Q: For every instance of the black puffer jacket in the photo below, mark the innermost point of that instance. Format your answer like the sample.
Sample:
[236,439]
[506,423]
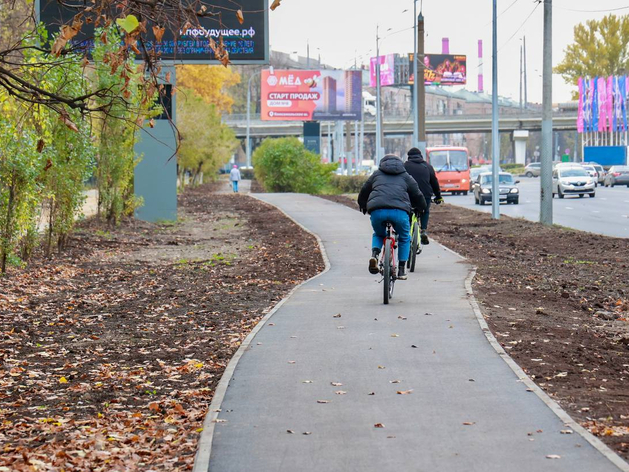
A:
[391,187]
[423,173]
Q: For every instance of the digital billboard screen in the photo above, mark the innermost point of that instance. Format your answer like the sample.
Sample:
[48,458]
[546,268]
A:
[442,69]
[247,43]
[315,95]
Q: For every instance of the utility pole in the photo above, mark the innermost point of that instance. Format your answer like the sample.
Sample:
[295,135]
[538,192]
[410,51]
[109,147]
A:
[378,101]
[421,86]
[495,133]
[308,55]
[521,84]
[415,80]
[526,98]
[248,143]
[546,202]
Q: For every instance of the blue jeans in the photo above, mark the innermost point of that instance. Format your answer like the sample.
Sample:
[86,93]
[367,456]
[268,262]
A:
[424,217]
[235,185]
[399,220]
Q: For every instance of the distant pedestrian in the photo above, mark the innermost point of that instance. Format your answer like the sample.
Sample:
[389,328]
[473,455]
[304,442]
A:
[234,176]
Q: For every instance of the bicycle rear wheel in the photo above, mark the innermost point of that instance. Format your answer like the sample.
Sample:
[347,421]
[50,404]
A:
[414,247]
[387,271]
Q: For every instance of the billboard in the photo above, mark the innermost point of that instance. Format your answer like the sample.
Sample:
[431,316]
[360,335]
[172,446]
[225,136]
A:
[299,95]
[442,69]
[387,70]
[247,43]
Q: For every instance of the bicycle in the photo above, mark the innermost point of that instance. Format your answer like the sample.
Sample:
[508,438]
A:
[416,244]
[388,265]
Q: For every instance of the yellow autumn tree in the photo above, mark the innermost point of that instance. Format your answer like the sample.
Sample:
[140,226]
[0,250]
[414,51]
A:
[211,83]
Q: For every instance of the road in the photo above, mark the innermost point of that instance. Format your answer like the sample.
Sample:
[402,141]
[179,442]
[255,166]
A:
[336,381]
[607,213]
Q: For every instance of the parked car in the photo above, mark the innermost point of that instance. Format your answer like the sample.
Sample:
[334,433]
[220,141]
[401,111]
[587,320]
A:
[509,192]
[572,180]
[592,172]
[617,175]
[534,169]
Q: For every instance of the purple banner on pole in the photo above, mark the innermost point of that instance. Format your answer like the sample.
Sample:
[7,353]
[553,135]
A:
[602,104]
[580,112]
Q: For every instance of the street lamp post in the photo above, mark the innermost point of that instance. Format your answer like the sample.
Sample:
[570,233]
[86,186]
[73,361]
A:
[248,143]
[415,81]
[249,121]
[378,104]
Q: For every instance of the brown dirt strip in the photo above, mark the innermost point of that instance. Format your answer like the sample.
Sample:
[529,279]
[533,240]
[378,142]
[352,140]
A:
[110,352]
[558,301]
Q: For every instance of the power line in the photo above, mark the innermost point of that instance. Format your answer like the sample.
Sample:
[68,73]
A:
[521,26]
[591,11]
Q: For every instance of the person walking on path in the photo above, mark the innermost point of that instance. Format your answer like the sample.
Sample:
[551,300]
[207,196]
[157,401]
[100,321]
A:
[234,176]
[389,195]
[424,175]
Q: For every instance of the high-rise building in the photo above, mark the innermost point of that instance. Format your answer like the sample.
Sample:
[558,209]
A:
[353,91]
[329,95]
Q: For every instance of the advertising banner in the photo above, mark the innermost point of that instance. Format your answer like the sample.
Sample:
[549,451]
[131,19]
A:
[246,43]
[387,70]
[316,95]
[442,69]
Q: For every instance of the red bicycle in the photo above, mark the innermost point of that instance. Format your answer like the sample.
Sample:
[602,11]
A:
[388,264]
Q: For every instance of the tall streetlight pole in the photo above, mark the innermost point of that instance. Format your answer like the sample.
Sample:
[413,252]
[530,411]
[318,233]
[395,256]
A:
[421,86]
[546,201]
[495,134]
[415,80]
[378,100]
[248,144]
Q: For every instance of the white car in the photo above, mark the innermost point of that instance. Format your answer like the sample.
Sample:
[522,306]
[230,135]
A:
[572,180]
[592,172]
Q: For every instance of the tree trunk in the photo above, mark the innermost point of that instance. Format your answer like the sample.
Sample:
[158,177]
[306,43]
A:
[7,229]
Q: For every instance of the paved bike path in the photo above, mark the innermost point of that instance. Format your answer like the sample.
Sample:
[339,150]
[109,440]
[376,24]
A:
[427,341]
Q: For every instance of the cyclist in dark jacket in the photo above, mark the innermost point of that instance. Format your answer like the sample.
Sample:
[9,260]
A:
[390,194]
[424,175]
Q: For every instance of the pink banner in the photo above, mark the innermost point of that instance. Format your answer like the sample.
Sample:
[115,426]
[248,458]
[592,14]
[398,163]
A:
[602,107]
[387,70]
[580,114]
[610,102]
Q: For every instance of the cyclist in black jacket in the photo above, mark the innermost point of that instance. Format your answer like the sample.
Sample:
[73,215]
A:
[390,194]
[424,175]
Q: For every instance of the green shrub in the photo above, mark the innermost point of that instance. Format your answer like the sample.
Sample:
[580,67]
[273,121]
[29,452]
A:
[285,165]
[515,169]
[348,183]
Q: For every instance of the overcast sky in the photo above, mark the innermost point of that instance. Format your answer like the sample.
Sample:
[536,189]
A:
[341,30]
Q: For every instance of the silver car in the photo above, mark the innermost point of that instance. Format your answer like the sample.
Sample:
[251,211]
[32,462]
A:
[572,180]
[617,175]
[534,169]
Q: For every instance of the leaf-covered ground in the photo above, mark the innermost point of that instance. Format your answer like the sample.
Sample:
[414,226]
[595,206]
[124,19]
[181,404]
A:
[558,302]
[110,353]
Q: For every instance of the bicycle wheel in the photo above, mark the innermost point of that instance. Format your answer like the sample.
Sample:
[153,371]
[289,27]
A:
[414,247]
[387,271]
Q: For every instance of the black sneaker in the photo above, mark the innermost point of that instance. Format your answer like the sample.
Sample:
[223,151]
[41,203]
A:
[401,273]
[424,238]
[373,265]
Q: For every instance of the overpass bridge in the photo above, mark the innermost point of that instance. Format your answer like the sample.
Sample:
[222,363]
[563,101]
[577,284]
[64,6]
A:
[438,124]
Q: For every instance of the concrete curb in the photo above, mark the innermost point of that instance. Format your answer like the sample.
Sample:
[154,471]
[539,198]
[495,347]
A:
[599,445]
[204,449]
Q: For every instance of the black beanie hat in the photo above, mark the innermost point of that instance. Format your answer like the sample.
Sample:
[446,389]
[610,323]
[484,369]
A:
[415,152]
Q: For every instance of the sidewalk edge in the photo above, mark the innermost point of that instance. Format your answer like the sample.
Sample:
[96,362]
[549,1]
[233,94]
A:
[204,447]
[599,445]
